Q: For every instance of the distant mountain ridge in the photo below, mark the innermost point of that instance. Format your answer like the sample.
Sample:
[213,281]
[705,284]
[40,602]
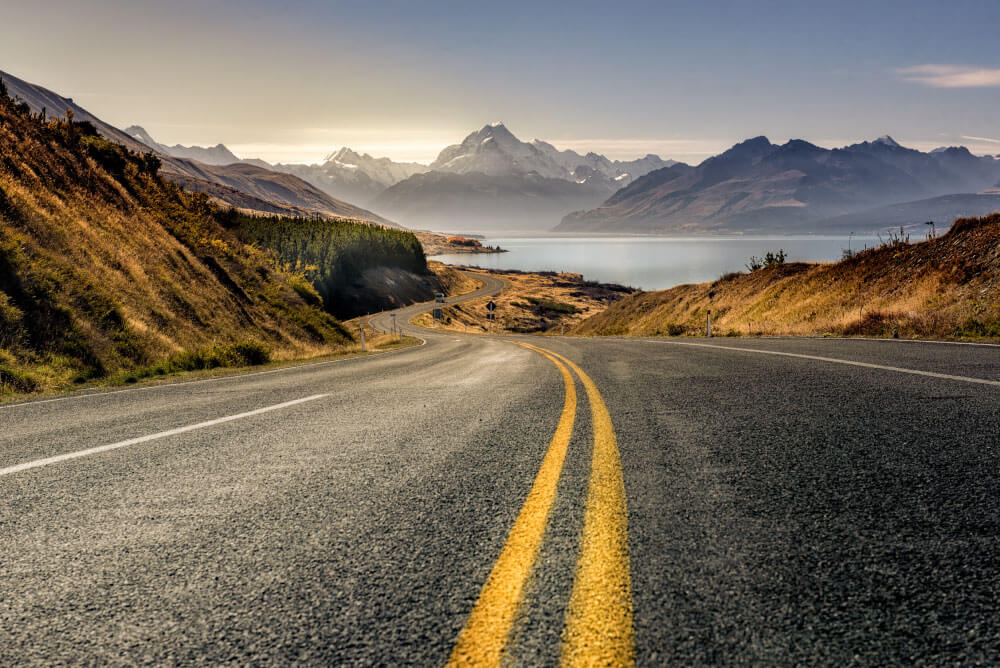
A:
[210,155]
[757,186]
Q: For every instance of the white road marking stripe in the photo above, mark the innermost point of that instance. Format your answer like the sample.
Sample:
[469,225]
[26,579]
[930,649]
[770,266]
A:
[151,437]
[867,365]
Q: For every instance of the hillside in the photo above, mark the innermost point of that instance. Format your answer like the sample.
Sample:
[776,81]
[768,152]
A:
[246,184]
[948,287]
[105,267]
[797,187]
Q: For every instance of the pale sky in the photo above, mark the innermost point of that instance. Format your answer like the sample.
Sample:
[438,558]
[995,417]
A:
[297,79]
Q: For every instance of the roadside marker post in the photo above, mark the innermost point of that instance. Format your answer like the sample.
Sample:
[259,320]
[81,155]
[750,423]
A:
[362,328]
[708,327]
[491,308]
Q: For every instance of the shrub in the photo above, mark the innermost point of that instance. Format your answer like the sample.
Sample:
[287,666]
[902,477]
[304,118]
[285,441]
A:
[14,381]
[771,259]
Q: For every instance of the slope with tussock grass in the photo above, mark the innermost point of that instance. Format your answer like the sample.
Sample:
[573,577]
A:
[107,268]
[947,287]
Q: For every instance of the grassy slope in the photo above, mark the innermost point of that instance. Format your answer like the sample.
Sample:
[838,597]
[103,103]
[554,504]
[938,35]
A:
[105,268]
[947,287]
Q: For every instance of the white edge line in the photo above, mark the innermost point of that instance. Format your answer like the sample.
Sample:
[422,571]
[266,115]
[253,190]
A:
[37,463]
[867,365]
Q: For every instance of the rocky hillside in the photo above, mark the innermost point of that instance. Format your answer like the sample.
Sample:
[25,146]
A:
[947,287]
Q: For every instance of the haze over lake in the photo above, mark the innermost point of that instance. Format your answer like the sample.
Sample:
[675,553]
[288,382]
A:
[650,263]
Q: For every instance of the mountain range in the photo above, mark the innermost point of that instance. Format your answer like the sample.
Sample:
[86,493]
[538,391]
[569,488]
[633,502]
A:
[798,187]
[490,181]
[357,177]
[493,181]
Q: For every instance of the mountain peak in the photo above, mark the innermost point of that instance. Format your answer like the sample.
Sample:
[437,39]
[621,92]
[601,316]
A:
[345,156]
[139,133]
[886,140]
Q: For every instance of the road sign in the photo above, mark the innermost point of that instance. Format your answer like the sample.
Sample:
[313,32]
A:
[491,306]
[438,314]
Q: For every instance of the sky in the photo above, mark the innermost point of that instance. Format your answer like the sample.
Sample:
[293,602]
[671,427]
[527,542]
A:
[294,80]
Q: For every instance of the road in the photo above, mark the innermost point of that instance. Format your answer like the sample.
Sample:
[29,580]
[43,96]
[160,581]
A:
[765,501]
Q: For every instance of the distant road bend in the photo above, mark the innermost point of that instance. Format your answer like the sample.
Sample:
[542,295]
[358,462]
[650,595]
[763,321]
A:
[531,500]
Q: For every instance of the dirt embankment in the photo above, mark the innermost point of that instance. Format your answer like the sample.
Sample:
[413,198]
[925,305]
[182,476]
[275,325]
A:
[947,287]
[532,303]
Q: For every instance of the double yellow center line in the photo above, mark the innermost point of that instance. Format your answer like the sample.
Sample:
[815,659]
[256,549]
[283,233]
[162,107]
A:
[598,627]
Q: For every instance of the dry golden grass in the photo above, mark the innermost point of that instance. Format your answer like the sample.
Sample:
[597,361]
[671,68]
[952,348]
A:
[106,270]
[947,287]
[531,303]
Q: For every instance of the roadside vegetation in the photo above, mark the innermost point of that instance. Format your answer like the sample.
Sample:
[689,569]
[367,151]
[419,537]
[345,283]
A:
[109,272]
[329,255]
[946,287]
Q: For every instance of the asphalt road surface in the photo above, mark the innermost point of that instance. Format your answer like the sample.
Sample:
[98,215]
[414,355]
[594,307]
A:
[472,500]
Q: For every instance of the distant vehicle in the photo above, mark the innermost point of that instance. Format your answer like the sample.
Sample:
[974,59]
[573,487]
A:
[439,297]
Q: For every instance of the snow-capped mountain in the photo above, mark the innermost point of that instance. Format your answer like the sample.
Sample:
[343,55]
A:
[493,181]
[495,151]
[356,177]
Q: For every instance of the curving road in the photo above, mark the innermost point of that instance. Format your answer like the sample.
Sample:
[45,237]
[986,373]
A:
[767,501]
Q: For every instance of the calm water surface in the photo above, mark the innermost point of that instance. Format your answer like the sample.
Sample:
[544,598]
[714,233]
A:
[650,263]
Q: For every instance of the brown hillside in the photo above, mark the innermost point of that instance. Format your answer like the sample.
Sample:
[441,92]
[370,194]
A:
[105,267]
[948,287]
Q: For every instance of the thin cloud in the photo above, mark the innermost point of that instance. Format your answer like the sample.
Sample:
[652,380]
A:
[951,76]
[986,139]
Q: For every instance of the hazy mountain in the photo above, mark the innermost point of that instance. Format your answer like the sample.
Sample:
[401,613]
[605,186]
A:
[493,181]
[621,171]
[757,186]
[446,201]
[210,155]
[246,184]
[352,176]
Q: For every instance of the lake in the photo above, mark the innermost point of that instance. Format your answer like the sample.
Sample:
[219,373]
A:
[650,263]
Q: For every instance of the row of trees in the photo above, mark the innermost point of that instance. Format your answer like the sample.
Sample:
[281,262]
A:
[331,253]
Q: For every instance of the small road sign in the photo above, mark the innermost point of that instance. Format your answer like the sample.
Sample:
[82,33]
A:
[491,306]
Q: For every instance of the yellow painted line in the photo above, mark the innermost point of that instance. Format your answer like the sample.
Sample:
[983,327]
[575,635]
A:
[599,629]
[484,638]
